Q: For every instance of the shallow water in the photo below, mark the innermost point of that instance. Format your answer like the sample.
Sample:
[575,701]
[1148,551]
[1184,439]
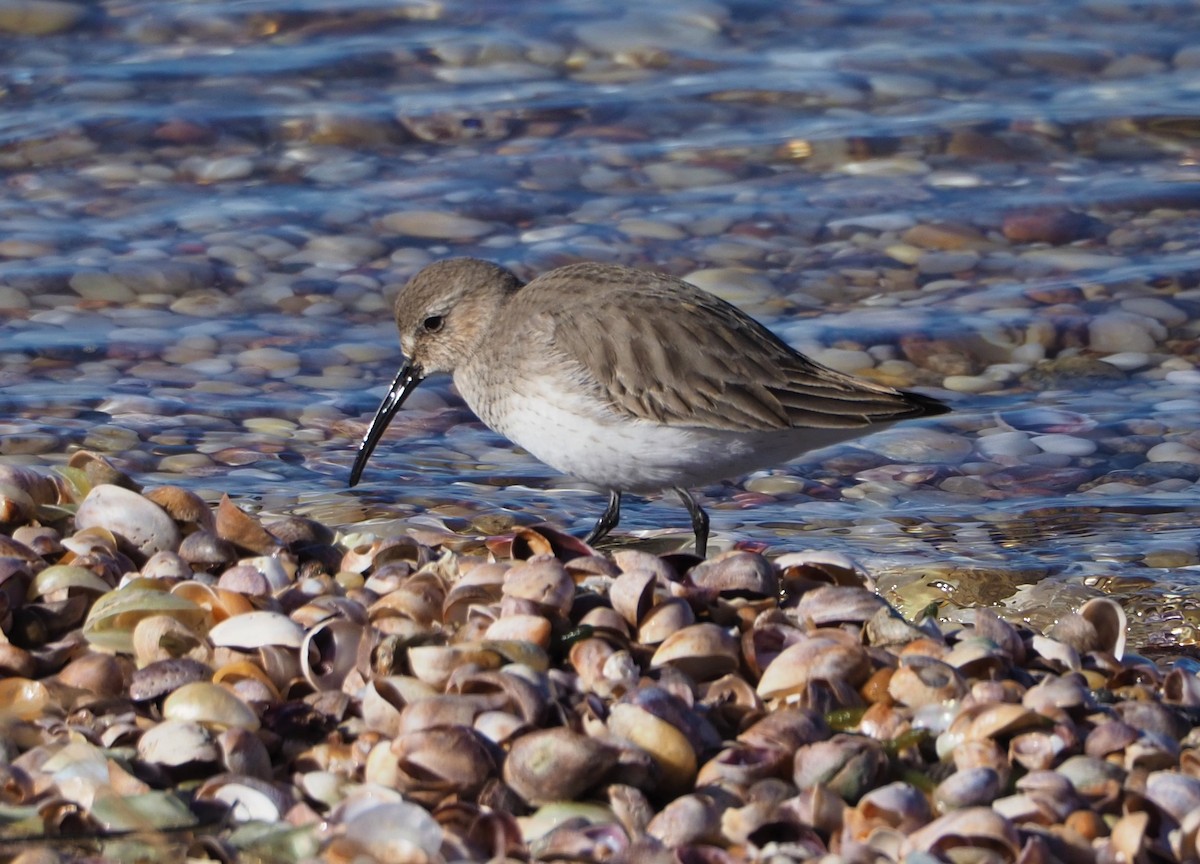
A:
[208,208]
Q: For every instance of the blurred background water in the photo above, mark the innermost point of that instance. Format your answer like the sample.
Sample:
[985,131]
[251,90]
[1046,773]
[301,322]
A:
[208,207]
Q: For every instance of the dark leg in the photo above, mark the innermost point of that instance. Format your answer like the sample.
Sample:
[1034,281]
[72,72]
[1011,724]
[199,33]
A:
[699,520]
[608,520]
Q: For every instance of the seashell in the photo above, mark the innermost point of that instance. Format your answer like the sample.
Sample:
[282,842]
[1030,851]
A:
[1181,688]
[1055,694]
[162,676]
[500,727]
[605,622]
[329,652]
[736,574]
[847,765]
[100,674]
[974,787]
[665,618]
[669,747]
[1060,656]
[165,637]
[510,689]
[247,680]
[217,603]
[183,506]
[429,764]
[787,729]
[700,651]
[141,523]
[977,722]
[816,806]
[543,581]
[419,597]
[396,831]
[743,765]
[113,617]
[255,630]
[897,807]
[824,656]
[1128,839]
[248,799]
[1036,751]
[800,571]
[971,828]
[527,628]
[925,681]
[243,530]
[836,604]
[438,710]
[210,705]
[16,662]
[175,743]
[1108,619]
[204,550]
[278,569]
[60,581]
[242,579]
[688,819]
[732,699]
[589,658]
[1092,778]
[1099,625]
[556,764]
[25,699]
[167,566]
[632,594]
[535,540]
[766,638]
[887,627]
[1173,793]
[434,664]
[990,626]
[384,699]
[243,752]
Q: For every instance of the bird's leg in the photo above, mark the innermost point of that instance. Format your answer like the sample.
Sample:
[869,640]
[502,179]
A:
[608,519]
[699,519]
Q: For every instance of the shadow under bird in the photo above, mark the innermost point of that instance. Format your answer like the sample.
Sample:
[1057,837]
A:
[630,380]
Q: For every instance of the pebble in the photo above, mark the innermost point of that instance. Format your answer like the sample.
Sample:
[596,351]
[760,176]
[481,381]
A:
[221,169]
[921,446]
[434,224]
[101,286]
[1065,445]
[1120,333]
[1156,308]
[650,229]
[39,17]
[1173,451]
[679,175]
[844,359]
[1128,361]
[1010,445]
[1074,260]
[775,484]
[943,263]
[969,383]
[145,525]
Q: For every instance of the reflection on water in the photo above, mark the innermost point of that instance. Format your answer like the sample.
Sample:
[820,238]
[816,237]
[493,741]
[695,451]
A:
[209,207]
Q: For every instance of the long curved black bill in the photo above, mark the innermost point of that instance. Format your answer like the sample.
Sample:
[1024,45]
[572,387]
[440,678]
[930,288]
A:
[406,382]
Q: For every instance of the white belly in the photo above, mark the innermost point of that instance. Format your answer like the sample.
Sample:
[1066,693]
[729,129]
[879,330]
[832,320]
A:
[577,436]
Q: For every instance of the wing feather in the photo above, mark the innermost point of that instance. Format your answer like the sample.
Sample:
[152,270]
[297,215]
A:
[662,350]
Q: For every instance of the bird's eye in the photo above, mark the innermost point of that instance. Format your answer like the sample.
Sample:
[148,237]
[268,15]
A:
[434,323]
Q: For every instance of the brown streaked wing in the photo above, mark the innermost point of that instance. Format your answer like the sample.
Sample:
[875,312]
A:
[665,351]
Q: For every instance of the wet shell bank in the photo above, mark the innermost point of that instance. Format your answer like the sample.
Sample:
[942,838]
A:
[181,680]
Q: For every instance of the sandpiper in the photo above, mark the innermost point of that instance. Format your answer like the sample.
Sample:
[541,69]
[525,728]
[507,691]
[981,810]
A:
[631,380]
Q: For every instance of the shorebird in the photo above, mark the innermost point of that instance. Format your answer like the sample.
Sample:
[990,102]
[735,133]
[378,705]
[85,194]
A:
[631,380]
